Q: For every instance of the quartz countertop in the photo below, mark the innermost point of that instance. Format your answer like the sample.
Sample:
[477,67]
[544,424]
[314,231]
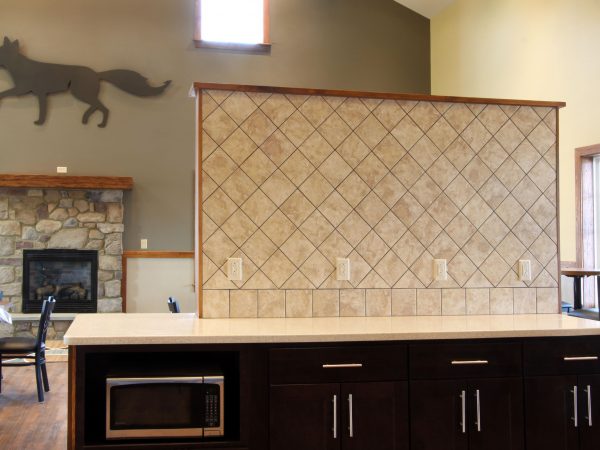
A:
[137,329]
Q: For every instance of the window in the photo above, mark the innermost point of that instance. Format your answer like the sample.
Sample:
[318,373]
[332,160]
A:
[232,23]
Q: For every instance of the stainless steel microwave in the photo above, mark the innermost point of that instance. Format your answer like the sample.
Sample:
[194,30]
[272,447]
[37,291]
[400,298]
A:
[158,407]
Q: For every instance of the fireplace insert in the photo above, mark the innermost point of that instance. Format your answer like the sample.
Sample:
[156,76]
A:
[71,276]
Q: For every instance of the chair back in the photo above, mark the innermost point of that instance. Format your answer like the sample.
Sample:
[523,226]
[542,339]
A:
[173,305]
[47,308]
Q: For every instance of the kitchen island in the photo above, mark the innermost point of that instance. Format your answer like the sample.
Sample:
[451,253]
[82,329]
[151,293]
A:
[514,381]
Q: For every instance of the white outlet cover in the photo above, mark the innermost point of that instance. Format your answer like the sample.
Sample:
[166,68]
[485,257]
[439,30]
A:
[144,244]
[235,269]
[61,169]
[343,269]
[440,270]
[524,270]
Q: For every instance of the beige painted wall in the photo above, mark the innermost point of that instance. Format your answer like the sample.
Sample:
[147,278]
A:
[536,49]
[345,44]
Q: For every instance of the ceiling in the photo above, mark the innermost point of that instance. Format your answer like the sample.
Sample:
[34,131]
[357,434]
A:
[427,8]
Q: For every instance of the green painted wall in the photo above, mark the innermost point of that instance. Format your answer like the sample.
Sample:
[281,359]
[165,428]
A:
[374,45]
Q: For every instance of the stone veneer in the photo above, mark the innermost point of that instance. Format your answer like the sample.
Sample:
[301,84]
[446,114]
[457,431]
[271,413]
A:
[291,182]
[70,219]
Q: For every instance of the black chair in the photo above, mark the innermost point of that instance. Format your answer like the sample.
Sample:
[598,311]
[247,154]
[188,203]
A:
[20,347]
[173,305]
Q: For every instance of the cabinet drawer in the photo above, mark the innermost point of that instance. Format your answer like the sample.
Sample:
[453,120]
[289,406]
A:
[337,364]
[459,360]
[562,356]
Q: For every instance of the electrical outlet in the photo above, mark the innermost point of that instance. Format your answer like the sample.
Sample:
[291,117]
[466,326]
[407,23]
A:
[343,269]
[144,244]
[524,270]
[234,269]
[62,170]
[440,270]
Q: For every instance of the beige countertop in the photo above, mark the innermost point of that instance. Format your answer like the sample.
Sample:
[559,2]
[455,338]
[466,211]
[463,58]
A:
[122,329]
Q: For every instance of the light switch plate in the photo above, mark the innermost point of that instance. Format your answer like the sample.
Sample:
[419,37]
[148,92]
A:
[234,269]
[524,270]
[61,169]
[440,270]
[144,244]
[343,269]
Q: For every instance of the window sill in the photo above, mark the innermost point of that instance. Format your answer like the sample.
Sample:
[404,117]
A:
[250,48]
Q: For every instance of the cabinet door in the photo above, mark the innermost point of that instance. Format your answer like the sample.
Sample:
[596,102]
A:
[496,414]
[302,417]
[375,416]
[589,412]
[549,413]
[436,415]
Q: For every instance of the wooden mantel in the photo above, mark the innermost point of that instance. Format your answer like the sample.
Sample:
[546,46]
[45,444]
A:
[65,182]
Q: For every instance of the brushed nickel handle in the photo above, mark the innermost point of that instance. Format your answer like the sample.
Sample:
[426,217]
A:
[343,366]
[469,362]
[334,400]
[351,413]
[588,391]
[463,416]
[580,358]
[478,419]
[575,417]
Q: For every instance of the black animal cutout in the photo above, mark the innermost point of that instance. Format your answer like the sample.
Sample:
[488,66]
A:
[42,79]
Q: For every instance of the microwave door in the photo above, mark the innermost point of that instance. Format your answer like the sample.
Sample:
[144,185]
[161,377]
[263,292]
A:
[214,406]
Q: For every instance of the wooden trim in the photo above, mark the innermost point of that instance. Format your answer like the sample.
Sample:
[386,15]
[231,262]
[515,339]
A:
[198,213]
[382,95]
[581,154]
[558,261]
[71,399]
[261,47]
[65,182]
[144,254]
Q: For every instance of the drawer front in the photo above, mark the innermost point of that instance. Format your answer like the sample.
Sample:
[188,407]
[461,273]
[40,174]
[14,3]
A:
[337,364]
[562,356]
[460,360]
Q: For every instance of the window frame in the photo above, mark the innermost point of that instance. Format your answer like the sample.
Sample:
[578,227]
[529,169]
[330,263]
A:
[264,46]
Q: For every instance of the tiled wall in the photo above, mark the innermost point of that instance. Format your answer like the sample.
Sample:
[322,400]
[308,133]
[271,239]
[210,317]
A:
[290,183]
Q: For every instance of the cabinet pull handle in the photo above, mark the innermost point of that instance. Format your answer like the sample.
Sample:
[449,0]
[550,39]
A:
[334,400]
[580,358]
[588,391]
[469,362]
[342,366]
[575,415]
[351,425]
[463,417]
[478,420]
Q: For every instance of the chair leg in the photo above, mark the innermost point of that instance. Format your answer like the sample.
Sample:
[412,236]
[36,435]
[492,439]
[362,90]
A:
[38,379]
[45,378]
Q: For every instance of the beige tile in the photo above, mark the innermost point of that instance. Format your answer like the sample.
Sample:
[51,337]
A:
[459,153]
[297,248]
[460,268]
[259,248]
[494,268]
[407,132]
[443,247]
[442,134]
[219,247]
[425,152]
[389,189]
[493,118]
[271,303]
[493,155]
[335,169]
[316,188]
[371,131]
[297,208]
[424,114]
[542,175]
[335,246]
[277,108]
[509,136]
[239,106]
[335,208]
[459,116]
[215,304]
[238,146]
[426,229]
[477,210]
[407,171]
[423,268]
[297,168]
[442,172]
[429,302]
[425,191]
[258,167]
[404,302]
[543,212]
[243,303]
[334,130]
[317,268]
[408,248]
[219,125]
[239,227]
[353,189]
[278,188]
[408,209]
[258,127]
[326,303]
[353,111]
[316,228]
[390,229]
[542,137]
[354,229]
[501,301]
[476,135]
[476,172]
[371,170]
[372,209]
[527,230]
[298,303]
[509,173]
[372,248]
[352,302]
[493,192]
[359,268]
[278,228]
[239,187]
[219,207]
[390,268]
[510,211]
[477,249]
[547,301]
[478,301]
[353,150]
[525,155]
[525,301]
[389,113]
[460,191]
[316,110]
[543,248]
[298,281]
[525,119]
[278,147]
[494,230]
[378,302]
[278,268]
[389,151]
[453,302]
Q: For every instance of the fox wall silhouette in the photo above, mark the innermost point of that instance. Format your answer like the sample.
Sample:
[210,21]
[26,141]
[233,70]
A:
[42,79]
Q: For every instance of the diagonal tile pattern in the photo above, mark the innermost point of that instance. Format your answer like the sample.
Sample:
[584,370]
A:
[295,182]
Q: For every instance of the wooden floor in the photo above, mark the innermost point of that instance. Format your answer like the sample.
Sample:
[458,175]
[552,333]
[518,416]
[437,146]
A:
[25,423]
